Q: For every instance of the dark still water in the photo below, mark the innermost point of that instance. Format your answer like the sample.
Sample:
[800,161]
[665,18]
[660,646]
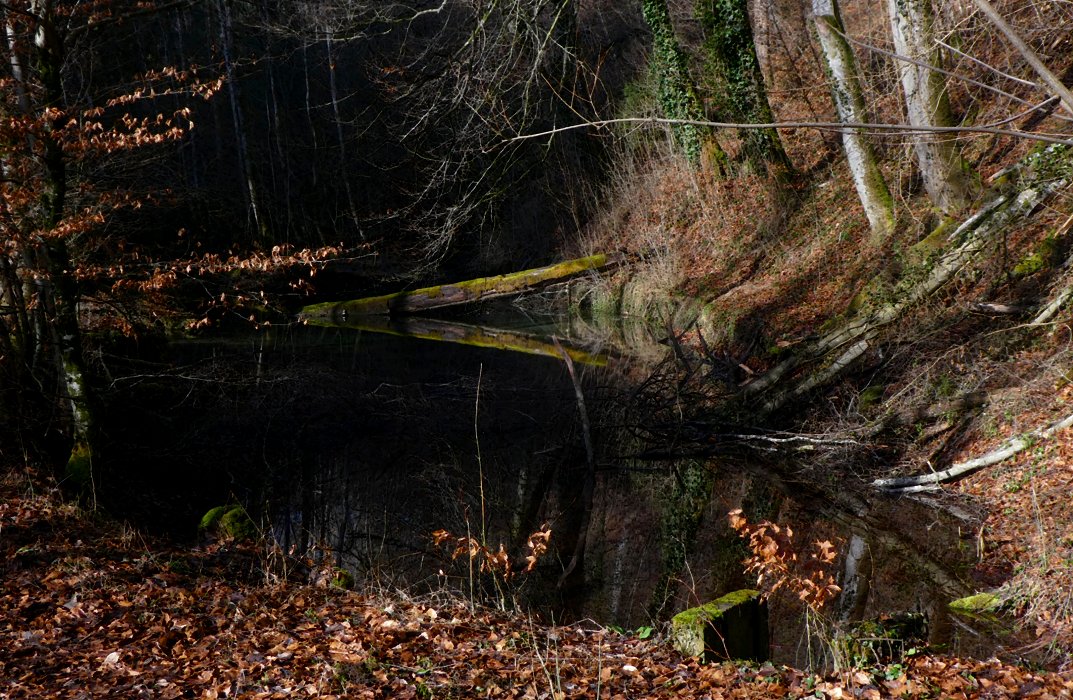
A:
[364,443]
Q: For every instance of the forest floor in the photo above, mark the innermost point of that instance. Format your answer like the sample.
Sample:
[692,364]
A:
[91,608]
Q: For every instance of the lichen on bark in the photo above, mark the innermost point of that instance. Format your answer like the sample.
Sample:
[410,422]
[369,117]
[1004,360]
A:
[849,102]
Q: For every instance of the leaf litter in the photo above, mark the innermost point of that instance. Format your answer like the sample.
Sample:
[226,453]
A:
[90,609]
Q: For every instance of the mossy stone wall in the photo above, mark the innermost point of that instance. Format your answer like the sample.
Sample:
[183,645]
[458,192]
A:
[734,626]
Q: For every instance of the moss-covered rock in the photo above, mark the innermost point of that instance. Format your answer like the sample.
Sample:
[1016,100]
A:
[230,521]
[979,606]
[341,578]
[734,626]
[78,473]
[209,520]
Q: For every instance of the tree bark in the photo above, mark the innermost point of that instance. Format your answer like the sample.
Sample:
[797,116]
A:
[928,482]
[947,178]
[1056,86]
[466,292]
[340,138]
[469,334]
[58,288]
[849,103]
[252,191]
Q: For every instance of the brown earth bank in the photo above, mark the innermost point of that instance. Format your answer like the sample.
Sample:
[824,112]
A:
[92,608]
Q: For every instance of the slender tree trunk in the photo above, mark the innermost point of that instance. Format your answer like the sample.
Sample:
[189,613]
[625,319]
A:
[677,94]
[191,166]
[732,61]
[1053,82]
[252,192]
[58,287]
[856,580]
[947,179]
[849,102]
[341,140]
[278,161]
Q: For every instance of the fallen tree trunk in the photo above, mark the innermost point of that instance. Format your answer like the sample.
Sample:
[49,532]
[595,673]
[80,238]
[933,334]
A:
[458,293]
[928,482]
[1021,190]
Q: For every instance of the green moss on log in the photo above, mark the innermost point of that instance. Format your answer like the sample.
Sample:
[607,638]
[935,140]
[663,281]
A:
[979,605]
[1046,256]
[465,292]
[468,334]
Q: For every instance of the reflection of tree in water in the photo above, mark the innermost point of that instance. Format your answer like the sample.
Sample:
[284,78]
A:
[367,446]
[720,451]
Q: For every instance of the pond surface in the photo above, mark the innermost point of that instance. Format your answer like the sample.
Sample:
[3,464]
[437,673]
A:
[364,443]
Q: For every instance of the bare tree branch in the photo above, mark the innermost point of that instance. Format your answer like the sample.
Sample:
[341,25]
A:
[823,126]
[937,69]
[1029,55]
[986,65]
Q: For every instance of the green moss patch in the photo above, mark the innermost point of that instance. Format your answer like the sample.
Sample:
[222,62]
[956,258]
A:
[734,626]
[979,605]
[230,521]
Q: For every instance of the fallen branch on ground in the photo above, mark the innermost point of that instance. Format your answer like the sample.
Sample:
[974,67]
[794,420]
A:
[924,482]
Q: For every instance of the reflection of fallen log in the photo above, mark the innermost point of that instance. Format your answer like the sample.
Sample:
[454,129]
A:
[467,292]
[466,334]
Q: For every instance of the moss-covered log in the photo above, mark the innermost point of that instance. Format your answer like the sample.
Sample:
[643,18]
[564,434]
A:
[467,292]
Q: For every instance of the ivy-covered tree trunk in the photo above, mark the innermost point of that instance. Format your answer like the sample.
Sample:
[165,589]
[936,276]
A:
[733,65]
[849,102]
[947,178]
[677,94]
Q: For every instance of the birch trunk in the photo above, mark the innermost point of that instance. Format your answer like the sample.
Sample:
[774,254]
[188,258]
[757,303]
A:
[849,102]
[947,178]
